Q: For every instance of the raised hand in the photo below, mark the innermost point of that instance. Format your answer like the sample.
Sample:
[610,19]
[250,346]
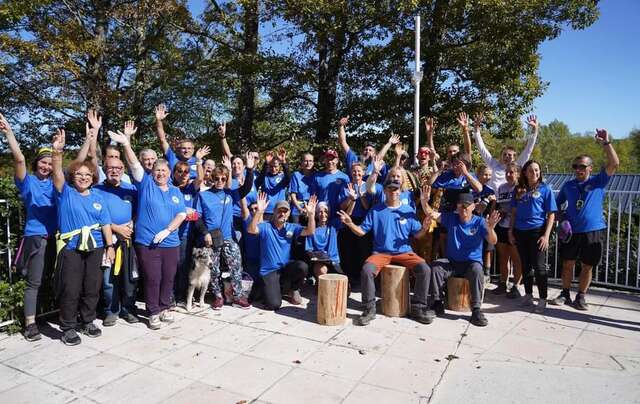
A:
[344,218]
[161,112]
[94,120]
[478,118]
[351,191]
[493,219]
[268,157]
[202,152]
[222,130]
[602,136]
[394,139]
[429,124]
[4,125]
[343,121]
[282,155]
[532,121]
[378,164]
[89,133]
[425,192]
[130,129]
[463,120]
[462,167]
[118,137]
[311,206]
[251,159]
[58,140]
[226,161]
[262,202]
[399,149]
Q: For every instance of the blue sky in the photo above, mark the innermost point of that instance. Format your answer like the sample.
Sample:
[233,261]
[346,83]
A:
[593,74]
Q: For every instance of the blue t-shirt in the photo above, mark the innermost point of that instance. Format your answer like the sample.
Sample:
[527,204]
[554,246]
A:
[327,188]
[392,228]
[533,206]
[584,202]
[119,200]
[173,160]
[407,197]
[76,211]
[464,240]
[39,202]
[156,209]
[276,189]
[453,186]
[301,186]
[235,189]
[275,245]
[189,195]
[351,158]
[325,239]
[359,211]
[216,208]
[251,244]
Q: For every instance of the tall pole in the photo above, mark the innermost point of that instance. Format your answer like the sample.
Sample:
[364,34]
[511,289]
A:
[417,78]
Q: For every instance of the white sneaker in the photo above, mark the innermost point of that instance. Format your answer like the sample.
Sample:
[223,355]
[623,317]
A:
[542,304]
[154,322]
[166,317]
[527,300]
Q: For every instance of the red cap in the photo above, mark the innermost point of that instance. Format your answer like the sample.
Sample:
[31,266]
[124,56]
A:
[330,154]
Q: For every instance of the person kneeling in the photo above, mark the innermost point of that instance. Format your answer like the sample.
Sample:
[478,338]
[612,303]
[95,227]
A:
[392,223]
[465,234]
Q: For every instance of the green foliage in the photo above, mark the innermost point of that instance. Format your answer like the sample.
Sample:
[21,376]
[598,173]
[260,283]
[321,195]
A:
[11,303]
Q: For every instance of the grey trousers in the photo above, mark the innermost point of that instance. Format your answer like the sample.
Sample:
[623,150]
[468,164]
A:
[422,272]
[442,269]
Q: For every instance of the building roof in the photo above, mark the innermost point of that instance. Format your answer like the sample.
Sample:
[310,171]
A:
[623,188]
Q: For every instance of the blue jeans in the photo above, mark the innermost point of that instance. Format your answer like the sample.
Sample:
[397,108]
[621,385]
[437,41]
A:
[115,299]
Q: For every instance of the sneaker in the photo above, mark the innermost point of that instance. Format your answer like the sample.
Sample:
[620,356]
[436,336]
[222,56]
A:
[514,292]
[167,317]
[130,318]
[31,333]
[295,298]
[561,300]
[70,337]
[110,320]
[542,304]
[478,319]
[368,315]
[218,302]
[241,303]
[527,300]
[500,290]
[438,308]
[91,330]
[421,314]
[580,303]
[154,322]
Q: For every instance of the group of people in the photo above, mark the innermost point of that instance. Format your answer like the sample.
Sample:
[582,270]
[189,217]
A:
[110,231]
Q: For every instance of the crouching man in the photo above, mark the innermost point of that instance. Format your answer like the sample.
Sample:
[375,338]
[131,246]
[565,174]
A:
[392,224]
[465,233]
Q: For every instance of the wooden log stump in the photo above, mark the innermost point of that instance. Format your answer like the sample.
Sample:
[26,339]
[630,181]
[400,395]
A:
[458,294]
[332,299]
[395,291]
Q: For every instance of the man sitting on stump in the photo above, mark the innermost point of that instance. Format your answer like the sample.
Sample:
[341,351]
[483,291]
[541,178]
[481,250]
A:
[392,224]
[465,233]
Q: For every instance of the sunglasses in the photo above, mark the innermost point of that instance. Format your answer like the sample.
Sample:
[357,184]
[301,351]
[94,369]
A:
[182,171]
[579,166]
[219,178]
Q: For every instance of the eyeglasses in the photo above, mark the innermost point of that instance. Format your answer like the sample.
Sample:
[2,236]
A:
[83,175]
[114,168]
[219,178]
[580,166]
[182,171]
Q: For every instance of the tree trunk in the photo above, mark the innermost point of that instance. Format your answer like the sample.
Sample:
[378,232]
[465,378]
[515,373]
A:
[434,33]
[246,101]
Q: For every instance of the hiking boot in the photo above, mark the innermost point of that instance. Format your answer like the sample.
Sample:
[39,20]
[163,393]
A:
[421,314]
[109,320]
[91,330]
[580,303]
[31,333]
[218,302]
[500,290]
[70,337]
[542,304]
[527,300]
[167,317]
[514,292]
[438,308]
[130,318]
[478,319]
[561,300]
[368,314]
[295,298]
[241,303]
[154,322]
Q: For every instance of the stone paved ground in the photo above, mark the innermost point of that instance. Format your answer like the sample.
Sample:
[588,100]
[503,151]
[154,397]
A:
[233,356]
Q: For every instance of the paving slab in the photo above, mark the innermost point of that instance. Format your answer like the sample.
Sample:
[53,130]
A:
[10,378]
[36,391]
[367,394]
[194,361]
[203,393]
[347,363]
[407,375]
[284,349]
[306,386]
[235,337]
[149,347]
[50,358]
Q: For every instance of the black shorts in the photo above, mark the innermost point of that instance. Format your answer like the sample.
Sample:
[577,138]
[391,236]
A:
[503,234]
[586,247]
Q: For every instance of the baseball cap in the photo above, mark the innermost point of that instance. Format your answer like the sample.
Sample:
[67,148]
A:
[282,205]
[330,154]
[465,198]
[391,184]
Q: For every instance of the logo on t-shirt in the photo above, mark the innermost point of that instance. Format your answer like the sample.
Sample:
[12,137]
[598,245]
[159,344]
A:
[536,194]
[473,231]
[404,201]
[175,199]
[278,180]
[403,221]
[97,206]
[338,181]
[289,234]
[194,167]
[127,198]
[187,197]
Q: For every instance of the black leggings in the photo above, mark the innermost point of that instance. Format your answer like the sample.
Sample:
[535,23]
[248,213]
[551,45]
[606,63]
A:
[288,278]
[532,259]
